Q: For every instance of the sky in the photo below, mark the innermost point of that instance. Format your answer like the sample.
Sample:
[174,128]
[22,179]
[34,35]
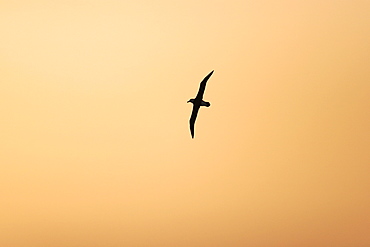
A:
[95,147]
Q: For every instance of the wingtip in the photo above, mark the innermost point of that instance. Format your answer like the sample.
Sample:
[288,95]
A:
[210,73]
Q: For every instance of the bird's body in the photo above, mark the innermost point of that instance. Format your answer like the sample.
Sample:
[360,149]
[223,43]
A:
[198,102]
[202,103]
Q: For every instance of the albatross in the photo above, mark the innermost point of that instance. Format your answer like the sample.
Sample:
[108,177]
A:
[198,102]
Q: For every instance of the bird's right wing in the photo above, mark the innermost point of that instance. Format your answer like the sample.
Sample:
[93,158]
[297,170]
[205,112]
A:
[202,86]
[193,118]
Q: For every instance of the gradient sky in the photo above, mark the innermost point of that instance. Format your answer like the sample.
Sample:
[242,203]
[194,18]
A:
[95,147]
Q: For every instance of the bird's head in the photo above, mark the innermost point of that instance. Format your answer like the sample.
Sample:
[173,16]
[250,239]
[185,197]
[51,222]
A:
[191,100]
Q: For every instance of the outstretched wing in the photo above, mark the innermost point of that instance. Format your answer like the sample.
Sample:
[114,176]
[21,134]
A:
[193,118]
[202,86]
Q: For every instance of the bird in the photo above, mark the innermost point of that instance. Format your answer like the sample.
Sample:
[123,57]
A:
[198,102]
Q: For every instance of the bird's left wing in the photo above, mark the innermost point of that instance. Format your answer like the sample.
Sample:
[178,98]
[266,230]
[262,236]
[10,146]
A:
[193,118]
[202,86]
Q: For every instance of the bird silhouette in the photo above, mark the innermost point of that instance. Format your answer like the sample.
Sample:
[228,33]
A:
[198,102]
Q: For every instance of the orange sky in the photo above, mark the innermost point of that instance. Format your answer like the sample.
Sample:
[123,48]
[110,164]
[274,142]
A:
[95,143]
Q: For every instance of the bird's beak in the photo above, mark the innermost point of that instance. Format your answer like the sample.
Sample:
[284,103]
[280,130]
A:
[188,101]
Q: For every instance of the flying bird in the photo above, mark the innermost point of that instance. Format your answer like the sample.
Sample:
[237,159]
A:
[198,102]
